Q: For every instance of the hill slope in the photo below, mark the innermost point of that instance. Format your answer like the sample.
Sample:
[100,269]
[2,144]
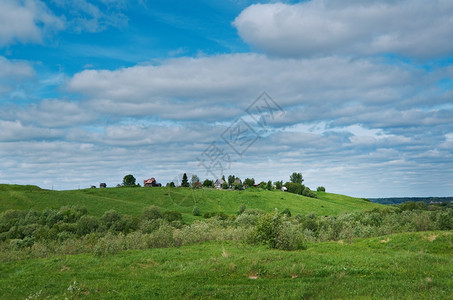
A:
[132,200]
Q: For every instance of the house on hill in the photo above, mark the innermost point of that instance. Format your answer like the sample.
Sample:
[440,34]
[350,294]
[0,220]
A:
[218,183]
[151,182]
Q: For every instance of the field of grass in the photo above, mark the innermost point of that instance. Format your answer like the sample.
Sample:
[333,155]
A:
[132,200]
[399,266]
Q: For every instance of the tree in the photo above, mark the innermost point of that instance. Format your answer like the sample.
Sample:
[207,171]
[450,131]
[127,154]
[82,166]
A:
[321,189]
[269,185]
[194,180]
[231,180]
[225,185]
[208,183]
[129,180]
[248,182]
[296,178]
[185,182]
[171,184]
[278,184]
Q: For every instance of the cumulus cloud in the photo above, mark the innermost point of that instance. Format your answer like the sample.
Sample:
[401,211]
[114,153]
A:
[220,88]
[51,113]
[26,21]
[12,73]
[420,29]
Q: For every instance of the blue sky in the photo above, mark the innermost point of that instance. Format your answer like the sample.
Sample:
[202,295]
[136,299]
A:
[359,95]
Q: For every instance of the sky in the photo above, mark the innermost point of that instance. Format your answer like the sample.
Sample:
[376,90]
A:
[355,95]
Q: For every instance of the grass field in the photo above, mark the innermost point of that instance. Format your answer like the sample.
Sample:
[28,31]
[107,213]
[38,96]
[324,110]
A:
[400,266]
[132,200]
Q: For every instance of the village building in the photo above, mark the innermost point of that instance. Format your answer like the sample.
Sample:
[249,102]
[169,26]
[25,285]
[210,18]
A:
[151,182]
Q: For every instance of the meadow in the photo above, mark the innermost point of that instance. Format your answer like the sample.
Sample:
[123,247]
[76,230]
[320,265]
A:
[146,243]
[400,266]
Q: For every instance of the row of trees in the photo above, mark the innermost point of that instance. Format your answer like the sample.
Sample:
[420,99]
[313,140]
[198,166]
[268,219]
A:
[294,185]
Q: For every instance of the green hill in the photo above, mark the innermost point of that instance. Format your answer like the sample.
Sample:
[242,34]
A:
[132,200]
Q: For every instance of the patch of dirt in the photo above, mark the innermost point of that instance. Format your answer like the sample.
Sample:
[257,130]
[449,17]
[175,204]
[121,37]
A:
[253,276]
[428,279]
[294,276]
[385,240]
[431,238]
[64,268]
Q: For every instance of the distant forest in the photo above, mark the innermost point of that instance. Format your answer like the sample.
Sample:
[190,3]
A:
[427,200]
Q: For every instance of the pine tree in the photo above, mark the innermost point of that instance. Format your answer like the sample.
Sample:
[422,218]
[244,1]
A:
[185,182]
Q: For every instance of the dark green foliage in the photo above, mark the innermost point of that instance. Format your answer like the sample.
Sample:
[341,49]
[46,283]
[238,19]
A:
[278,184]
[286,212]
[171,184]
[269,186]
[262,185]
[208,183]
[241,208]
[249,182]
[309,193]
[86,225]
[296,178]
[321,189]
[185,181]
[151,213]
[225,185]
[295,188]
[172,216]
[231,180]
[219,215]
[196,211]
[129,180]
[237,186]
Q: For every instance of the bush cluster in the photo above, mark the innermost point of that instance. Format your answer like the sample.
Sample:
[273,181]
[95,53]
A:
[71,230]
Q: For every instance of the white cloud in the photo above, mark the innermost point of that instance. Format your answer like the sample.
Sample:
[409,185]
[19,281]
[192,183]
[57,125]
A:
[26,21]
[416,28]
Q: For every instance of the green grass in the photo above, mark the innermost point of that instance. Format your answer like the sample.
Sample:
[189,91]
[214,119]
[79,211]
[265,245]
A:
[400,266]
[132,200]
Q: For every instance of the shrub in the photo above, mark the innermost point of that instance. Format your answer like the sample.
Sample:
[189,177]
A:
[86,225]
[267,229]
[172,216]
[289,237]
[151,213]
[162,238]
[219,215]
[241,209]
[321,189]
[286,212]
[196,211]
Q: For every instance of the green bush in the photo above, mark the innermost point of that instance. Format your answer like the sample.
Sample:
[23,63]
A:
[196,211]
[87,224]
[172,216]
[267,229]
[219,215]
[321,189]
[241,209]
[286,212]
[151,213]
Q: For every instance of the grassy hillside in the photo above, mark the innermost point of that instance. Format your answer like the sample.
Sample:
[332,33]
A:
[132,200]
[399,266]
